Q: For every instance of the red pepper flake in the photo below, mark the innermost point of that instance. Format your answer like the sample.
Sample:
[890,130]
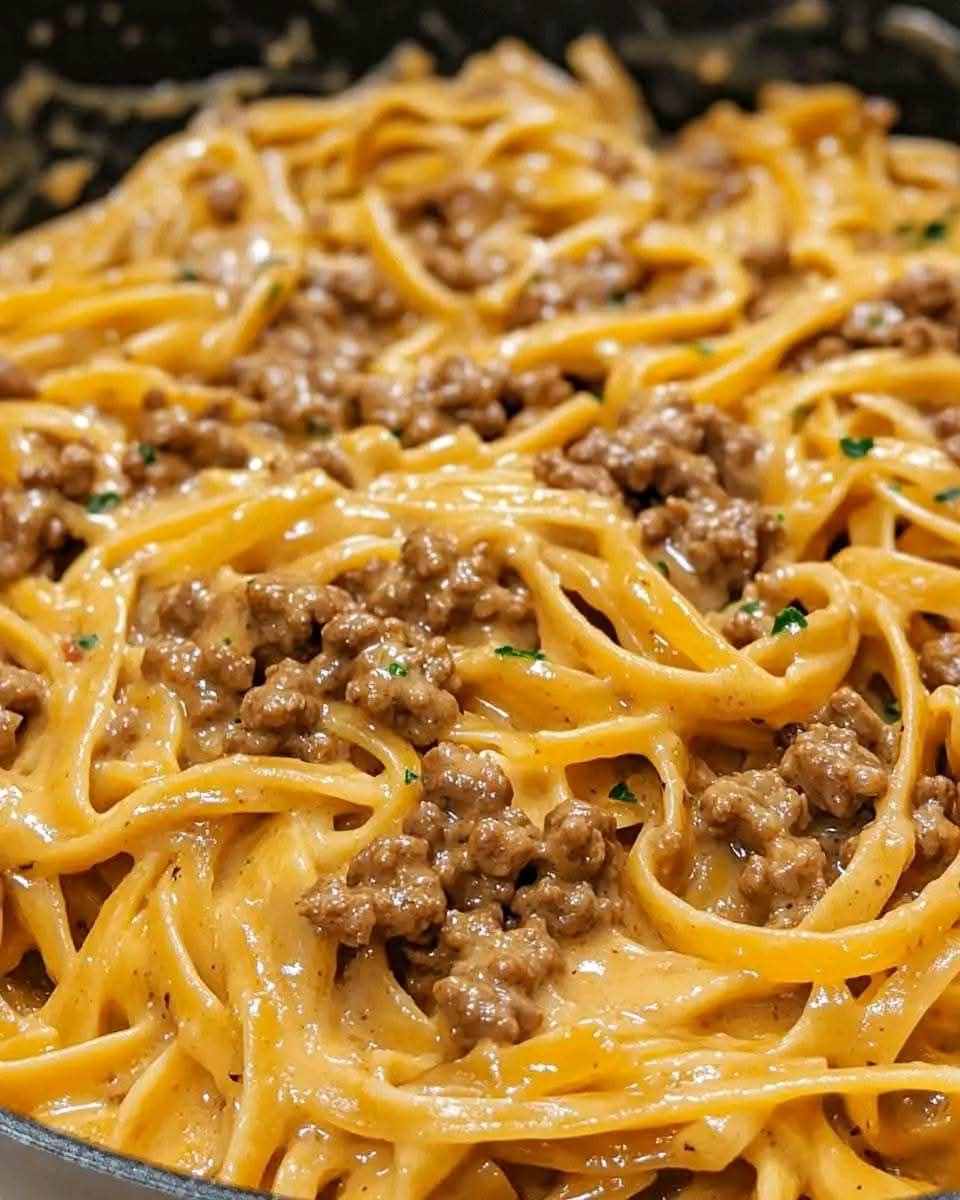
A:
[71,651]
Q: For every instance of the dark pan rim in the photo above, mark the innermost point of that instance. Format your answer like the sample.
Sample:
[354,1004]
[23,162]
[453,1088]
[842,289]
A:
[170,1184]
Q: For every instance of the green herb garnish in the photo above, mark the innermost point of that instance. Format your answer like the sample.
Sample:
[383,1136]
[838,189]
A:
[410,776]
[274,292]
[935,231]
[703,348]
[513,652]
[227,641]
[618,299]
[621,792]
[789,620]
[86,641]
[663,568]
[101,502]
[895,486]
[147,453]
[397,670]
[891,710]
[318,428]
[752,607]
[854,447]
[948,495]
[188,275]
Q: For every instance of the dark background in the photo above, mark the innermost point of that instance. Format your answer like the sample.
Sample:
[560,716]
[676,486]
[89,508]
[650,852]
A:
[908,51]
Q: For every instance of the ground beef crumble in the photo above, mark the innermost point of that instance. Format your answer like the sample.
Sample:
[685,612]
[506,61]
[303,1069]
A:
[308,370]
[939,660]
[22,694]
[607,274]
[32,532]
[173,444]
[917,314]
[472,897]
[784,818]
[457,391]
[377,639]
[692,474]
[446,223]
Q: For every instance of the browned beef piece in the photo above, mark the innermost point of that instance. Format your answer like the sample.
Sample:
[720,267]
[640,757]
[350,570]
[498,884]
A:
[848,709]
[446,222]
[793,817]
[456,391]
[692,472]
[918,313]
[607,274]
[754,807]
[209,681]
[173,444]
[935,819]
[22,694]
[939,660]
[725,541]
[307,371]
[31,530]
[182,608]
[442,587]
[69,468]
[489,991]
[788,878]
[481,969]
[834,771]
[287,614]
[391,890]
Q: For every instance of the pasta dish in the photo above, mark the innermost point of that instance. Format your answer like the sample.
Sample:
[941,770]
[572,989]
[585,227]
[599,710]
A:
[478,661]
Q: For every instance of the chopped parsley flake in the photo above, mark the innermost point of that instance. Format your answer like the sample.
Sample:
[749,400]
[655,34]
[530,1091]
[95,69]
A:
[854,447]
[86,641]
[228,641]
[935,231]
[101,502]
[318,428]
[188,275]
[663,568]
[147,453]
[702,348]
[397,670]
[397,433]
[891,710]
[513,652]
[895,486]
[621,792]
[789,620]
[274,292]
[410,776]
[752,607]
[618,299]
[948,495]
